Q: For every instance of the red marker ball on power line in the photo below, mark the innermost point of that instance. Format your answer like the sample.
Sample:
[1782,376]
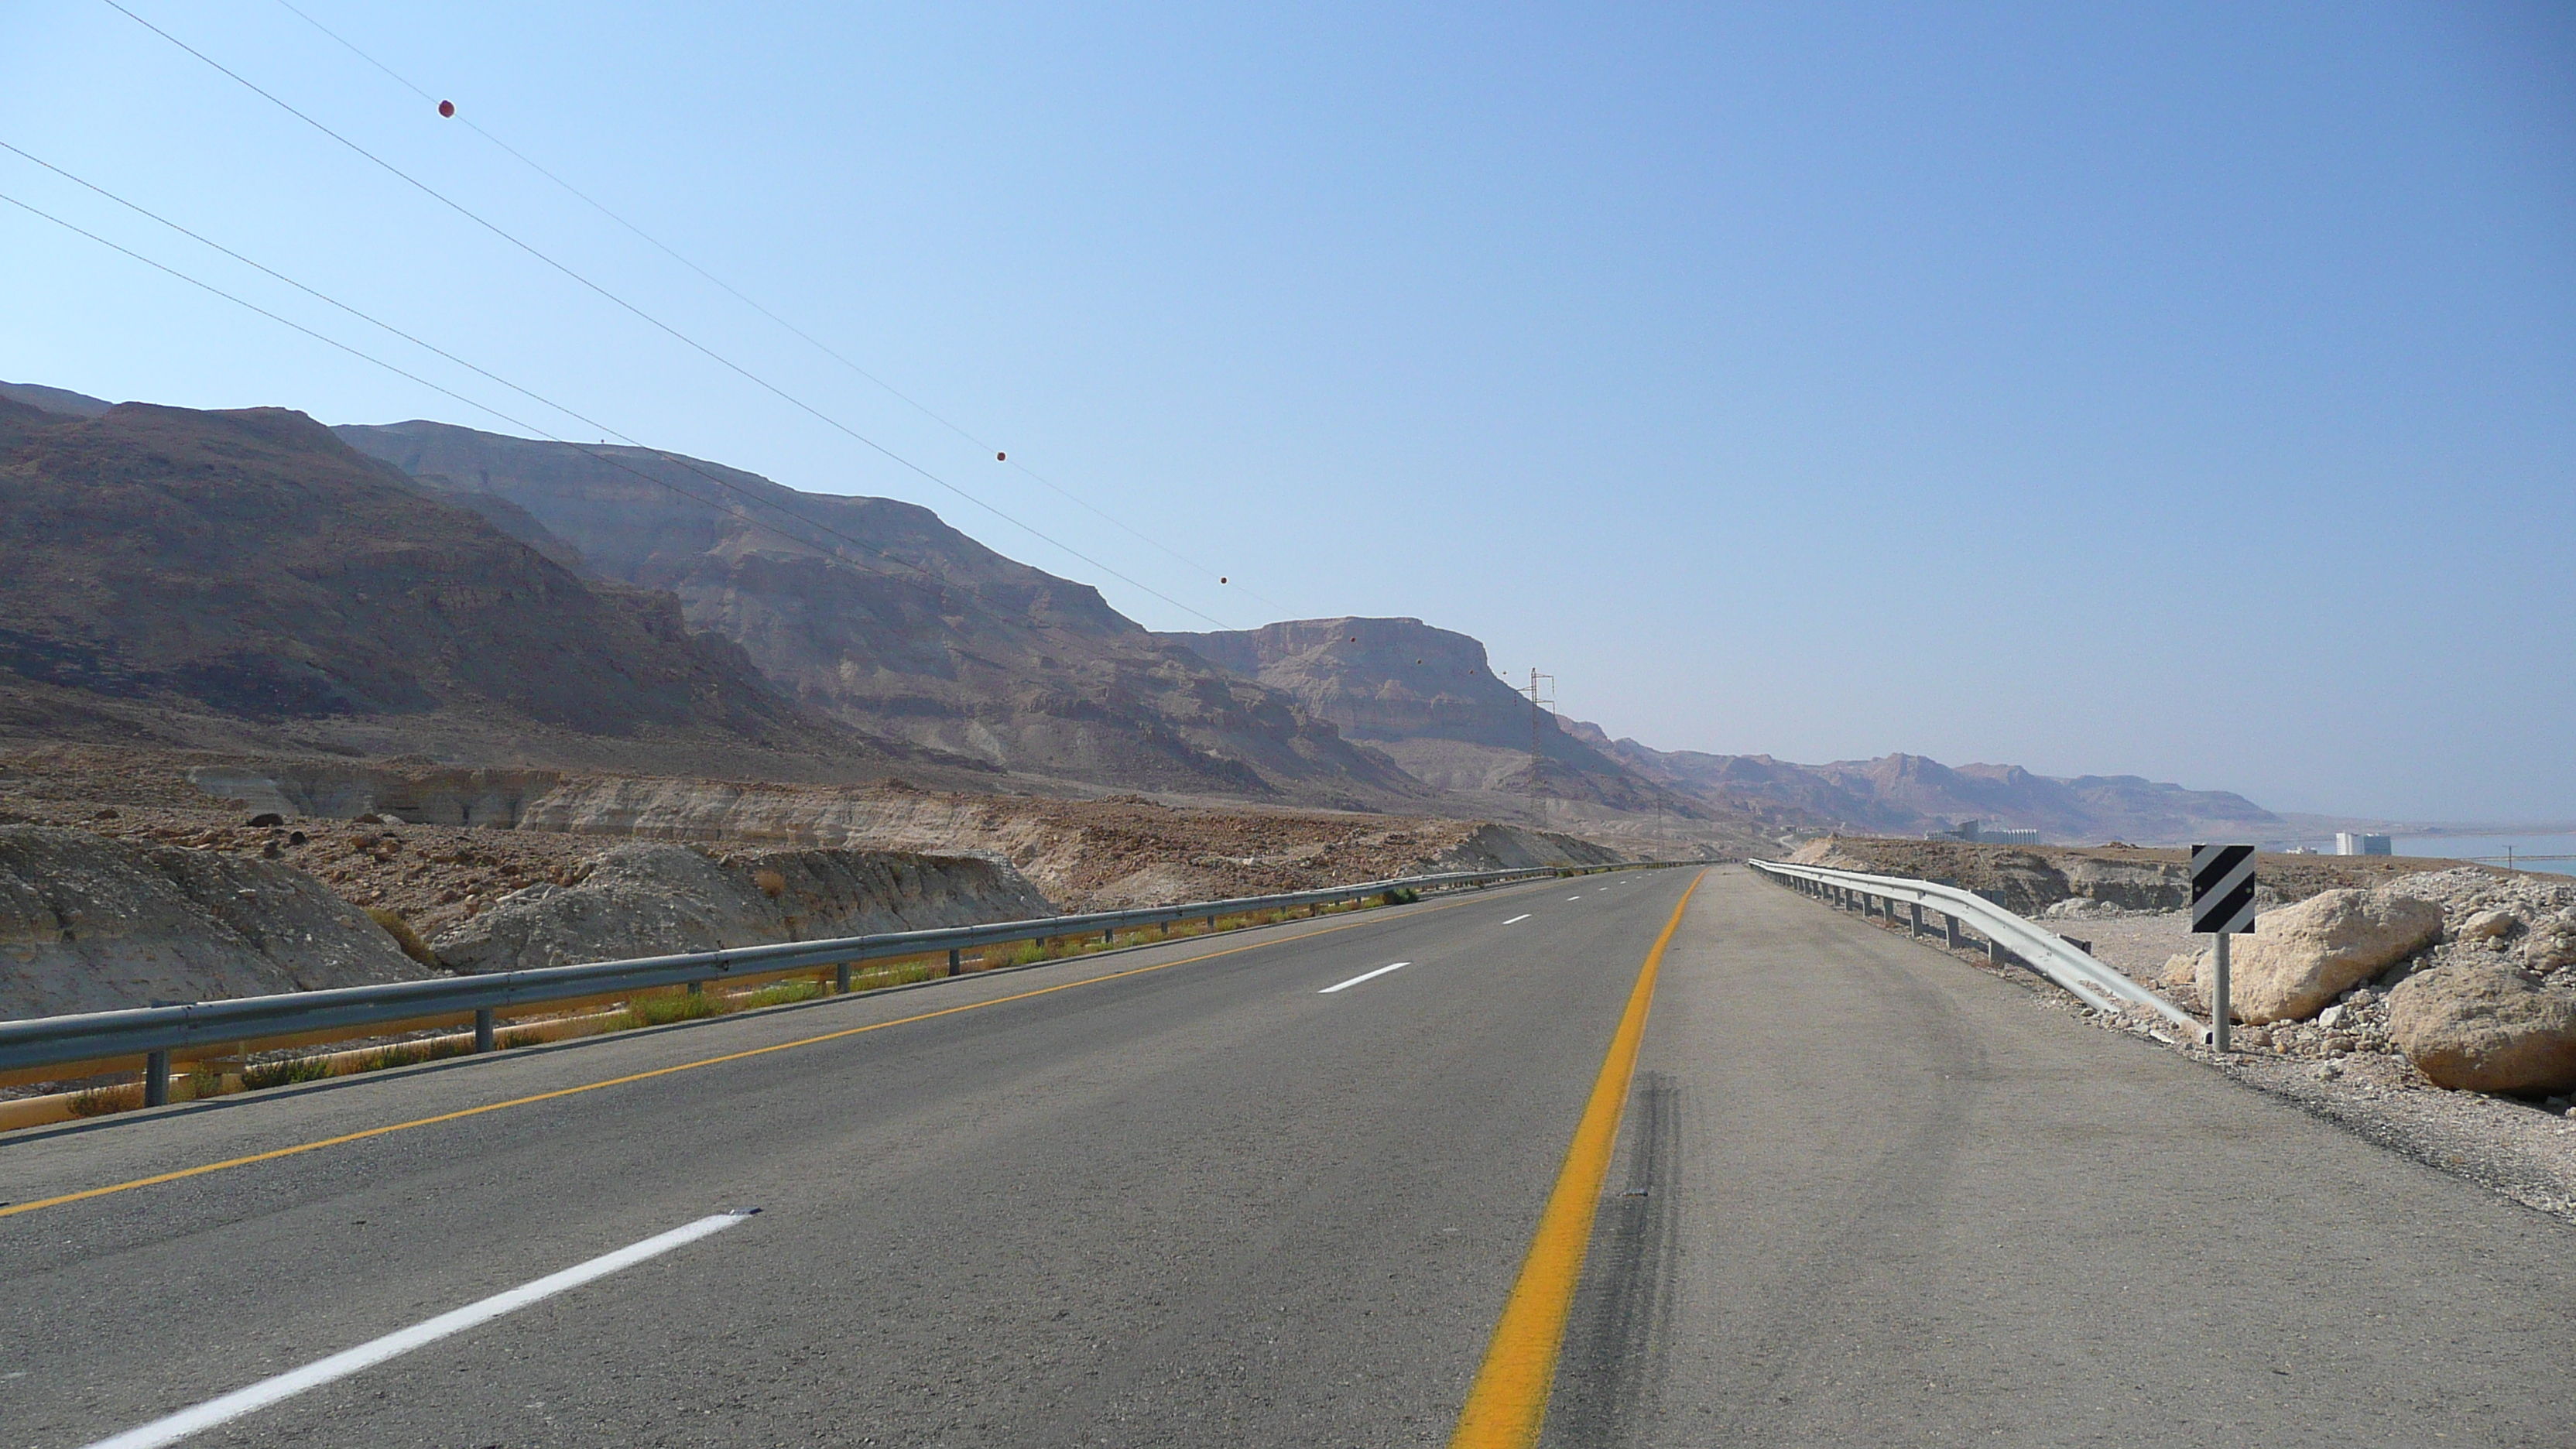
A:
[1220,578]
[998,457]
[447,108]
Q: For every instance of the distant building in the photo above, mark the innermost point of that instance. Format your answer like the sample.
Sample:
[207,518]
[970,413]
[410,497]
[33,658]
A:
[1979,830]
[2349,843]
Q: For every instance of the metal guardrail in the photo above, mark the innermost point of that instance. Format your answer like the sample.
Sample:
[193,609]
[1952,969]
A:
[2052,955]
[96,1042]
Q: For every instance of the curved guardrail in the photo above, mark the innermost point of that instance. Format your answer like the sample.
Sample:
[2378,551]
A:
[2046,952]
[102,1041]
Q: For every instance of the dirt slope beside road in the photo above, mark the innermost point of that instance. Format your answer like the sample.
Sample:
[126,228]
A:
[93,924]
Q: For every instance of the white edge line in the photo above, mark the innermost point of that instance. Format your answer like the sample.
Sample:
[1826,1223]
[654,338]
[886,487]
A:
[1363,976]
[340,1365]
[1516,920]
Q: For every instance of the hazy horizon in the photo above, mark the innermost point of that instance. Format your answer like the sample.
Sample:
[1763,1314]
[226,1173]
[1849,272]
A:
[2198,378]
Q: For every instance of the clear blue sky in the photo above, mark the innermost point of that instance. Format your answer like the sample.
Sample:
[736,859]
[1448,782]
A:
[2186,390]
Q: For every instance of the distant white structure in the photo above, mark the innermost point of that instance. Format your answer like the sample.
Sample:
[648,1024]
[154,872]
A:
[1980,831]
[2349,843]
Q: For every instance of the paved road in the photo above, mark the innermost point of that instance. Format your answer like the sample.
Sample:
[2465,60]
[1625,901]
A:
[1887,1202]
[1893,1203]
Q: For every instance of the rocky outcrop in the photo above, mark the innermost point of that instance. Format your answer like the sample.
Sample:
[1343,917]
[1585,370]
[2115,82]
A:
[2301,957]
[2486,1027]
[430,795]
[1505,847]
[1429,699]
[648,899]
[93,924]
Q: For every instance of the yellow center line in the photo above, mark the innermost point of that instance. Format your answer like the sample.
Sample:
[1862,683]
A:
[1508,1402]
[303,1147]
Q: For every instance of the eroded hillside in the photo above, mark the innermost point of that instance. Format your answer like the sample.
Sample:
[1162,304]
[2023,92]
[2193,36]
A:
[881,615]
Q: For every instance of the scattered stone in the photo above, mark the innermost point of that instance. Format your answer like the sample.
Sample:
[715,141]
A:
[2474,1026]
[266,818]
[2489,925]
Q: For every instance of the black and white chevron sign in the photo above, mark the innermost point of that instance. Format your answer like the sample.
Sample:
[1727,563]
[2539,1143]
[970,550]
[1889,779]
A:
[2222,889]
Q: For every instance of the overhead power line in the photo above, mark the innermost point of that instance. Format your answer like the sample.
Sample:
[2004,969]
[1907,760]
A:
[943,589]
[595,204]
[677,335]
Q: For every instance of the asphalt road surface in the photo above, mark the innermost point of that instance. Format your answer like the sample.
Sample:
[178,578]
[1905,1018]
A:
[1863,1194]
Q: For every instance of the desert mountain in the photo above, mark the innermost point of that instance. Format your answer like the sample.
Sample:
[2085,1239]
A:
[54,399]
[882,616]
[166,573]
[1429,698]
[1909,794]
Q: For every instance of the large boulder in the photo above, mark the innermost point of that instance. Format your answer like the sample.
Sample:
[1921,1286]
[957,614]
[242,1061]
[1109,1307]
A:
[2485,1027]
[2302,957]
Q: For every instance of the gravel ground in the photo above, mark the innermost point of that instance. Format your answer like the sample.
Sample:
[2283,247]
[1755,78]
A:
[2523,1150]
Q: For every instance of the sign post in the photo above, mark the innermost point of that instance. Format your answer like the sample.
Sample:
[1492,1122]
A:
[2222,905]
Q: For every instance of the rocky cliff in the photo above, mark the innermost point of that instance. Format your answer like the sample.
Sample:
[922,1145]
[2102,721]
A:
[161,567]
[1431,701]
[883,616]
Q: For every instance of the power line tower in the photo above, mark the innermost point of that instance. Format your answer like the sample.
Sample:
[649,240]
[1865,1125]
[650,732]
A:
[1538,703]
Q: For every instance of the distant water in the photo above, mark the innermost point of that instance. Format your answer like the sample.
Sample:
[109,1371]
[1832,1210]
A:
[2478,847]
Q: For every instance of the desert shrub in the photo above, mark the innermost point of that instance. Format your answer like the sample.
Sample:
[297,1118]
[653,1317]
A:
[663,1008]
[279,1074]
[404,936]
[780,993]
[413,1053]
[99,1101]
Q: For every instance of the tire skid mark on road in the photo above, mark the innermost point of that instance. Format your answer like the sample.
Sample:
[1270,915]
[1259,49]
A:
[1507,1405]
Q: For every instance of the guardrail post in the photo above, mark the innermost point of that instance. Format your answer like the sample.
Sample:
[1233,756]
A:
[1995,953]
[1950,929]
[841,978]
[156,1079]
[953,961]
[483,1028]
[697,988]
[1915,909]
